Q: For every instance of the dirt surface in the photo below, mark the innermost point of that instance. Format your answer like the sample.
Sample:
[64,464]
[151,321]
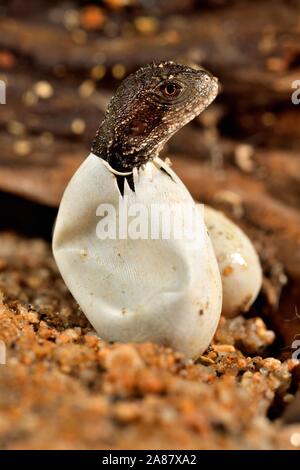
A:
[62,387]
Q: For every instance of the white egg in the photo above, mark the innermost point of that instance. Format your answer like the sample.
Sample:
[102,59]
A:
[166,290]
[239,265]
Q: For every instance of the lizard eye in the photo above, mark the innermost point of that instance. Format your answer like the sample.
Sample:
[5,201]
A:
[170,89]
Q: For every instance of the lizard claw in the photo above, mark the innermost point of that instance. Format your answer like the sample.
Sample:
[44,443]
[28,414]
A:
[121,182]
[157,164]
[130,182]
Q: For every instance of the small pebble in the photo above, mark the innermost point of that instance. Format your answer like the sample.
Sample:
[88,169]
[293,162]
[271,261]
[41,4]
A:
[79,36]
[22,147]
[268,119]
[92,17]
[47,138]
[118,71]
[98,72]
[78,126]
[43,89]
[16,127]
[71,19]
[87,88]
[224,348]
[146,24]
[243,154]
[295,439]
[29,98]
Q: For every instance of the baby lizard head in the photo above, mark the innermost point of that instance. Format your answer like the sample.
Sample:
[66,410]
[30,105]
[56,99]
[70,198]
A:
[149,106]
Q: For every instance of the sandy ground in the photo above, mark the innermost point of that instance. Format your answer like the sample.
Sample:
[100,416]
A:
[63,387]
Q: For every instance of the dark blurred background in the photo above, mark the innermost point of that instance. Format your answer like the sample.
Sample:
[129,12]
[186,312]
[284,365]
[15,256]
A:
[61,62]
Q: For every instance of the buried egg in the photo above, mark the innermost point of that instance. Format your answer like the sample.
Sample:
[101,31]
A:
[164,287]
[238,262]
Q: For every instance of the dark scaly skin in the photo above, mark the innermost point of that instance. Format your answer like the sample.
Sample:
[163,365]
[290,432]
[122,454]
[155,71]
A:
[149,106]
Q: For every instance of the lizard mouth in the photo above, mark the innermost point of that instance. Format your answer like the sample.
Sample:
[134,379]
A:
[210,92]
[214,88]
[208,86]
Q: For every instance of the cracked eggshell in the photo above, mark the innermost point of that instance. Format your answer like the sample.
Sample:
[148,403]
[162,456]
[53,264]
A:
[166,291]
[238,261]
